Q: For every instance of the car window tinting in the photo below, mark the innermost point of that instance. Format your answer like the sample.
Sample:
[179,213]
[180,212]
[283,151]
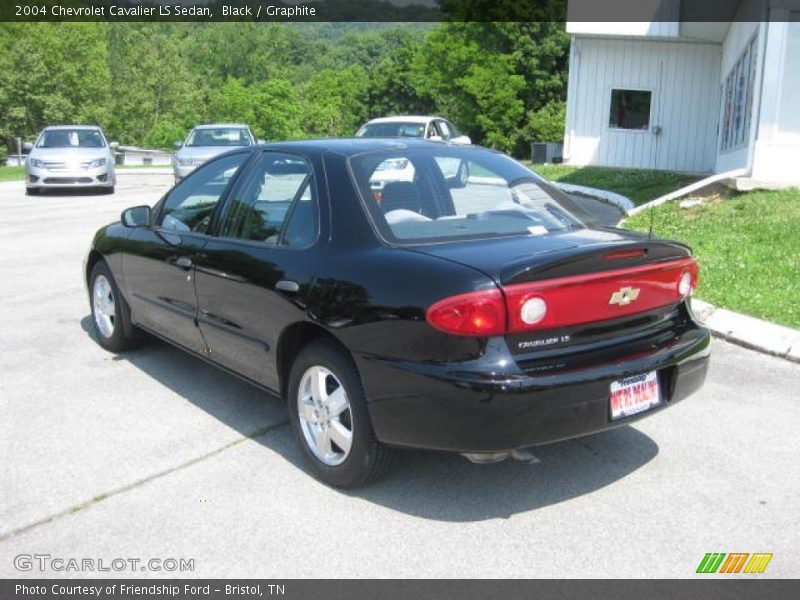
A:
[432,195]
[275,205]
[191,203]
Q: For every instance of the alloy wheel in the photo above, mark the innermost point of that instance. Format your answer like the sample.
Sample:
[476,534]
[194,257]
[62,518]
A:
[104,306]
[326,419]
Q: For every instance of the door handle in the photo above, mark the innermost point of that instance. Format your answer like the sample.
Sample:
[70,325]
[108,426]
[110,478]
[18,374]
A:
[285,285]
[184,262]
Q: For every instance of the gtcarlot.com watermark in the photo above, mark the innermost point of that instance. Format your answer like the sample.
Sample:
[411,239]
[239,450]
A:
[61,564]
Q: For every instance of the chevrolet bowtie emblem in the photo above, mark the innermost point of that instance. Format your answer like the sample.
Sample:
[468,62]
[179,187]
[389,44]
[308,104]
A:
[624,296]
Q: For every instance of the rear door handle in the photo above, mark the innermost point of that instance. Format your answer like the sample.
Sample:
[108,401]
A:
[286,285]
[184,262]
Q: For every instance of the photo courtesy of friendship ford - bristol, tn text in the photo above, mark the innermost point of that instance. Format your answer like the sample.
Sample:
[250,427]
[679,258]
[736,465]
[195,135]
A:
[431,299]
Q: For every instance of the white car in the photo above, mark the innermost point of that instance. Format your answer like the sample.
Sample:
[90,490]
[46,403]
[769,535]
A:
[435,129]
[70,156]
[413,126]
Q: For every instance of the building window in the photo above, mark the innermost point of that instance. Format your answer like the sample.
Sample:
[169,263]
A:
[737,100]
[630,109]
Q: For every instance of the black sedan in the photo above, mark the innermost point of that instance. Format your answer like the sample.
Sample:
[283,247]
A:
[393,303]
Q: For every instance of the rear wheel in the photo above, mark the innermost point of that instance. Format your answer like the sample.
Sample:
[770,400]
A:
[109,311]
[330,422]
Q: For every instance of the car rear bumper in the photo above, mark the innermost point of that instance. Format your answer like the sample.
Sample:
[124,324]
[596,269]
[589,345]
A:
[448,407]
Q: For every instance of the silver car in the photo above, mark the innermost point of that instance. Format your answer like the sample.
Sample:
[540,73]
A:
[70,156]
[207,141]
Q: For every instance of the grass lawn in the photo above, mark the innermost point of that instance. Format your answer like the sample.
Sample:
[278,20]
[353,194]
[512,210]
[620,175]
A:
[748,247]
[638,185]
[12,173]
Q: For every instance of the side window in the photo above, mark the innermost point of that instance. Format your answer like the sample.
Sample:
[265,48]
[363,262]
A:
[276,205]
[445,129]
[191,203]
[433,130]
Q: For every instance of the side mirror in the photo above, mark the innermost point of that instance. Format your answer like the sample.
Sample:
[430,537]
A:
[114,145]
[178,145]
[27,146]
[136,216]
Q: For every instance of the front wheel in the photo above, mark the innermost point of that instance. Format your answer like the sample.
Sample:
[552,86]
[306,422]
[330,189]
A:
[329,417]
[109,310]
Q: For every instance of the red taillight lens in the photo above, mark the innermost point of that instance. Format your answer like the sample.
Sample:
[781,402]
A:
[474,314]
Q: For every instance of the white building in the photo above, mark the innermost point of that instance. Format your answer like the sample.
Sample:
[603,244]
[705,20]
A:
[689,96]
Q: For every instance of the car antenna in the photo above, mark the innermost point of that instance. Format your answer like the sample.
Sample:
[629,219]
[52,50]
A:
[650,229]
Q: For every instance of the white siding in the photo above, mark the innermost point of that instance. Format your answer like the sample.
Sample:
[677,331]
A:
[684,80]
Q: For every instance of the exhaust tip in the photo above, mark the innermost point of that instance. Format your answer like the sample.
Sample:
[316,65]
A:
[485,458]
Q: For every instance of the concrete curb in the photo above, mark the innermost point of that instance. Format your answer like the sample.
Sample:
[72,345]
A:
[624,203]
[756,334]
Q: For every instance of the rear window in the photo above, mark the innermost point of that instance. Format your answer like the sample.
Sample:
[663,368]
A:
[430,195]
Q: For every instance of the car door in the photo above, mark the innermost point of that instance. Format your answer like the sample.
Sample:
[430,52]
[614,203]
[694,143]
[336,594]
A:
[253,277]
[158,265]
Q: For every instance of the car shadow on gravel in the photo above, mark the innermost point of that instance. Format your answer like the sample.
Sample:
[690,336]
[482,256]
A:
[430,485]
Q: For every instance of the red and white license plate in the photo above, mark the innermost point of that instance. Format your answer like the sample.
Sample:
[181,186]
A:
[633,395]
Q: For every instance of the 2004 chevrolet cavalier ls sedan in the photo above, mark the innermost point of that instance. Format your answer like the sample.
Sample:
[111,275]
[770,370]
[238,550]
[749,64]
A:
[478,316]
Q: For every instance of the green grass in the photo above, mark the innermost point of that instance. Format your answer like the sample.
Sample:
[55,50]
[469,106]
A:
[12,173]
[638,185]
[748,248]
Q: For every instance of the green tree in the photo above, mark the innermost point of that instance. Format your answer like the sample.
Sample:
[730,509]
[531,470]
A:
[152,80]
[53,73]
[336,102]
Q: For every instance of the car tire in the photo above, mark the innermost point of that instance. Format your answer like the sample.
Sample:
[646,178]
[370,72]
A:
[366,458]
[109,190]
[29,191]
[111,317]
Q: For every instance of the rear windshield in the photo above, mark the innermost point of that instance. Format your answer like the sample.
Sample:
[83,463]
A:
[383,130]
[71,138]
[223,136]
[429,195]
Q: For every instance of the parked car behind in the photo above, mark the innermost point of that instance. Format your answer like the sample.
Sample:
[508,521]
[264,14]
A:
[483,318]
[207,141]
[70,156]
[435,129]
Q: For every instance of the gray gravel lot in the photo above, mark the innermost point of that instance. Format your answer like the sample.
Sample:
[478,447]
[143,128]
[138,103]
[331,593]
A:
[155,454]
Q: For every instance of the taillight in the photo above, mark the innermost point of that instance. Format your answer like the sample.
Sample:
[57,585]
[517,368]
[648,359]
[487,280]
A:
[566,301]
[474,314]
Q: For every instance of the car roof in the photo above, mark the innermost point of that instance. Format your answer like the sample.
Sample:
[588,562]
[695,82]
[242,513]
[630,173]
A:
[219,125]
[351,146]
[57,127]
[404,119]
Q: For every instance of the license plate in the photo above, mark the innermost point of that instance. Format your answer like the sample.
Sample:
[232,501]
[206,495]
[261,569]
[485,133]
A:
[633,395]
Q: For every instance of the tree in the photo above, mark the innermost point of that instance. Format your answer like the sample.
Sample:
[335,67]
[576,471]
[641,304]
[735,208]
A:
[153,81]
[336,102]
[53,73]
